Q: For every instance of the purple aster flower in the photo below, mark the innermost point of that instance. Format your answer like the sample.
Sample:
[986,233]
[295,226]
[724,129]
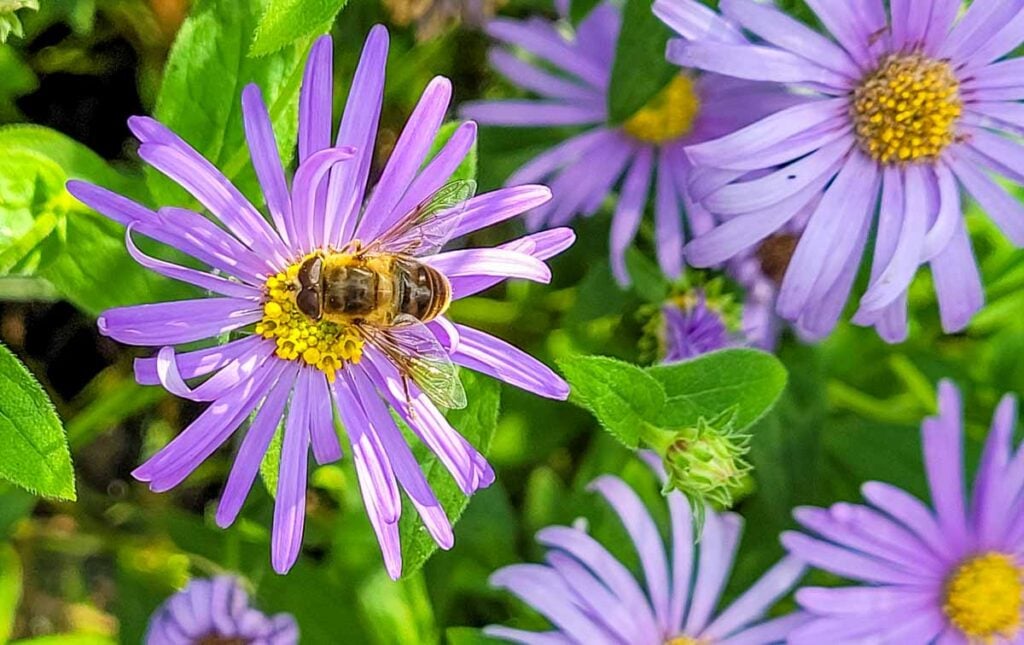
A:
[691,327]
[645,149]
[208,612]
[905,108]
[288,358]
[590,597]
[953,573]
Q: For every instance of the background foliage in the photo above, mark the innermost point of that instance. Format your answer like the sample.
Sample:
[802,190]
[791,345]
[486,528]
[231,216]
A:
[86,554]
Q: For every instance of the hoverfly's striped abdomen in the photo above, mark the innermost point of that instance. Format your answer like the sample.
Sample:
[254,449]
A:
[422,291]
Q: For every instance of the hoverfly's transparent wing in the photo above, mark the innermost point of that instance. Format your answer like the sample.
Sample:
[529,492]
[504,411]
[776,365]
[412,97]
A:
[429,226]
[414,350]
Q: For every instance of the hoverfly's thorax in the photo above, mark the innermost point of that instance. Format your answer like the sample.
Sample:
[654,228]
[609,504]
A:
[351,290]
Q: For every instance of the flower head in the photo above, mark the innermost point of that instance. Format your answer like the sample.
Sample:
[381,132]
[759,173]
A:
[312,329]
[692,326]
[647,148]
[951,573]
[208,612]
[590,597]
[904,109]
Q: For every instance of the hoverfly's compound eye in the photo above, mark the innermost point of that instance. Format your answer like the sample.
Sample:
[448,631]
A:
[309,272]
[308,302]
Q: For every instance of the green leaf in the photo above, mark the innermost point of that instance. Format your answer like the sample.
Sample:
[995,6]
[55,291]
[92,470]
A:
[286,21]
[640,70]
[747,380]
[16,79]
[272,461]
[398,612]
[580,9]
[10,589]
[648,280]
[476,423]
[622,396]
[9,22]
[68,639]
[35,454]
[200,98]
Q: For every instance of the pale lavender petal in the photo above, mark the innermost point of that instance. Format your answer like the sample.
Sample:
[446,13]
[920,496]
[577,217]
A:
[668,224]
[266,160]
[942,441]
[854,26]
[531,78]
[944,13]
[323,436]
[525,637]
[718,546]
[694,21]
[756,63]
[535,113]
[957,282]
[565,153]
[756,600]
[950,213]
[542,40]
[843,562]
[315,102]
[852,601]
[626,220]
[909,511]
[770,631]
[599,603]
[1007,38]
[180,321]
[492,356]
[253,449]
[1003,208]
[290,501]
[993,491]
[979,22]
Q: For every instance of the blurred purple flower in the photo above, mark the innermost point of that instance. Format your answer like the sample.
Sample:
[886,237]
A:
[693,328]
[585,168]
[217,611]
[263,373]
[951,574]
[590,597]
[900,115]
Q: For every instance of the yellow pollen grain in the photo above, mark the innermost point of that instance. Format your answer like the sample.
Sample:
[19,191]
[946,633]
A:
[983,597]
[669,115]
[322,344]
[906,111]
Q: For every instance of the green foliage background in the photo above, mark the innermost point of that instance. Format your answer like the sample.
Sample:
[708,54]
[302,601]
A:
[93,569]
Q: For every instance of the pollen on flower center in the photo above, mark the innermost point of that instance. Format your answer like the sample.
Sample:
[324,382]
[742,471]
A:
[983,596]
[669,115]
[322,344]
[907,110]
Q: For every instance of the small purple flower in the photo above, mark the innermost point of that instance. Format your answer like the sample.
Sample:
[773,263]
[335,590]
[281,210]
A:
[287,364]
[905,108]
[953,573]
[691,327]
[590,597]
[585,168]
[208,612]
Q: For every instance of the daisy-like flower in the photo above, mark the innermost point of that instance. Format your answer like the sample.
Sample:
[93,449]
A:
[647,148]
[949,574]
[692,329]
[905,109]
[590,597]
[208,612]
[289,358]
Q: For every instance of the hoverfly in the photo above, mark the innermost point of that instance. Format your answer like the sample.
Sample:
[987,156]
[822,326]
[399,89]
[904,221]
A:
[387,294]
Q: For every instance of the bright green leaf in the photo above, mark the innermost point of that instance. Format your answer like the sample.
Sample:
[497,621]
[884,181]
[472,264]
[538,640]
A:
[580,9]
[622,396]
[271,462]
[747,380]
[200,98]
[68,639]
[476,422]
[35,454]
[398,612]
[640,70]
[10,589]
[469,636]
[286,21]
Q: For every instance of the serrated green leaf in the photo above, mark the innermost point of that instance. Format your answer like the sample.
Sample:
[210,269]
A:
[748,380]
[200,98]
[622,396]
[10,589]
[35,454]
[286,21]
[640,70]
[476,423]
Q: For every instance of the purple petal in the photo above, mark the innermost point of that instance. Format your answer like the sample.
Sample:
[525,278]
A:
[438,171]
[626,220]
[199,362]
[266,160]
[471,263]
[694,21]
[290,503]
[499,205]
[906,509]
[542,40]
[843,562]
[543,245]
[492,356]
[307,227]
[942,441]
[324,438]
[218,385]
[757,600]
[315,103]
[535,113]
[717,550]
[855,27]
[567,152]
[538,81]
[668,224]
[180,321]
[755,63]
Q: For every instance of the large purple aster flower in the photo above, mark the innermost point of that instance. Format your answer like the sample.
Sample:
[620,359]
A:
[648,146]
[949,574]
[590,597]
[284,363]
[213,611]
[904,109]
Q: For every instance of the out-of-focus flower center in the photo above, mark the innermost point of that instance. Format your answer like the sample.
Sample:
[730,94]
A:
[983,596]
[669,115]
[222,640]
[775,254]
[322,344]
[685,640]
[907,109]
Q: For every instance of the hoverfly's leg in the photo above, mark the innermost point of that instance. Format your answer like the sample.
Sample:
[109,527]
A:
[408,397]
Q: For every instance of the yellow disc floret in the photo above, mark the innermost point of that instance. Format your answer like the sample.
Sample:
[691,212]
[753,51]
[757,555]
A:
[669,115]
[906,111]
[983,597]
[684,640]
[322,344]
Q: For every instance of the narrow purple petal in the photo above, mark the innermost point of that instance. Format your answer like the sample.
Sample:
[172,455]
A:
[755,63]
[489,262]
[668,223]
[323,436]
[199,362]
[180,321]
[543,246]
[533,79]
[315,103]
[290,502]
[694,21]
[541,39]
[307,227]
[535,113]
[626,220]
[219,384]
[756,600]
[718,546]
[437,172]
[492,356]
[499,205]
[266,160]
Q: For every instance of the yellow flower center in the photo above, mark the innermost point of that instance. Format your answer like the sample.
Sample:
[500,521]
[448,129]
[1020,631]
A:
[669,115]
[983,597]
[685,640]
[906,111]
[322,344]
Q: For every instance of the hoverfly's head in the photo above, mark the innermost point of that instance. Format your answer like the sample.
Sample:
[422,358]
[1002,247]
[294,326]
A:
[308,290]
